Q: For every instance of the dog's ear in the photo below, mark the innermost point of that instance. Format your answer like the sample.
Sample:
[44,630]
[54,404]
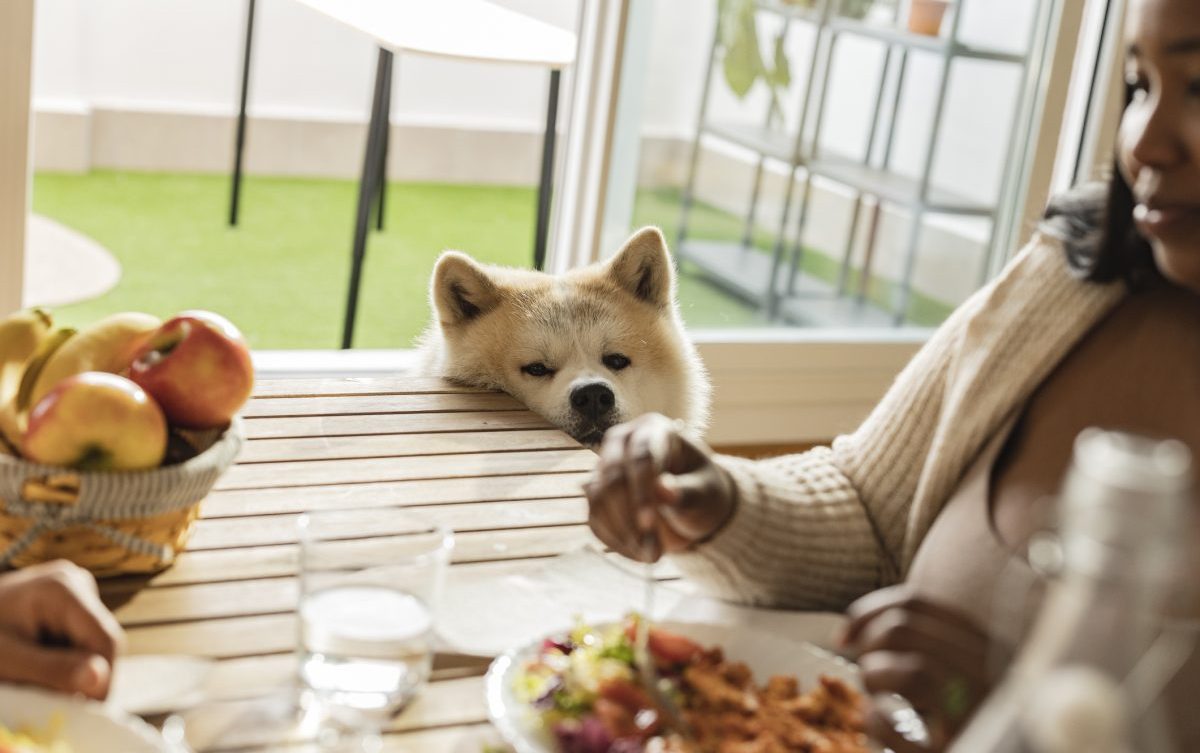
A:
[643,267]
[461,289]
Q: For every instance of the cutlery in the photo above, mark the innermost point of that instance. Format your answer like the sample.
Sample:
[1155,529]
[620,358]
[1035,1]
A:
[645,662]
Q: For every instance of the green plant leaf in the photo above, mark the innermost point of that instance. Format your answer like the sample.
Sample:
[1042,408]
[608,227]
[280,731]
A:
[743,63]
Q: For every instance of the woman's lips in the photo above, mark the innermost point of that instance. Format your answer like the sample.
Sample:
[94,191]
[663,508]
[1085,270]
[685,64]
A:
[1160,220]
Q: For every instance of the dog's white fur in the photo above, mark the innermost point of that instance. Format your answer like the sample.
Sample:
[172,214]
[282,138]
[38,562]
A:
[491,321]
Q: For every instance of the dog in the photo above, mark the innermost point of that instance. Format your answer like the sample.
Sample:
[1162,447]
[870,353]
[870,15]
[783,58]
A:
[587,350]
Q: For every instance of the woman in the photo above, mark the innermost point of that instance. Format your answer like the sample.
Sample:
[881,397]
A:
[1096,322]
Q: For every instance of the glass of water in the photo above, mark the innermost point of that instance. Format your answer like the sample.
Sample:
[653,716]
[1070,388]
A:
[370,580]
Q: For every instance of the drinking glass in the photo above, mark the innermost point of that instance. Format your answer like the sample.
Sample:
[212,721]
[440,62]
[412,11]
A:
[370,580]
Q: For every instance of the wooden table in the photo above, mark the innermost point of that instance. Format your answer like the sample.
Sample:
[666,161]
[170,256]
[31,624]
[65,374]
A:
[505,480]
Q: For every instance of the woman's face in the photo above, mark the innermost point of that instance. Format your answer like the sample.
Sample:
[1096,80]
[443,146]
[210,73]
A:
[1159,141]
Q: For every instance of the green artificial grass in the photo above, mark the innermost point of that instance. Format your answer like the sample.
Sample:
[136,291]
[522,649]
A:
[281,275]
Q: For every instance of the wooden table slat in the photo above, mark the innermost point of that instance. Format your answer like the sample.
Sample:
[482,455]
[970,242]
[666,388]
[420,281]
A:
[280,560]
[358,404]
[352,471]
[403,445]
[268,427]
[444,491]
[222,533]
[238,725]
[338,386]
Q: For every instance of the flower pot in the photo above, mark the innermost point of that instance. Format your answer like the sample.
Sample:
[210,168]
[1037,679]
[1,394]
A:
[925,16]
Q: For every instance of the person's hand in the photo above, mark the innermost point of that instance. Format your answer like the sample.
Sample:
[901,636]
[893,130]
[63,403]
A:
[55,632]
[934,656]
[656,489]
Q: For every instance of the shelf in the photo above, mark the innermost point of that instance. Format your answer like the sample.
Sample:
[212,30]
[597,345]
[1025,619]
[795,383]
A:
[767,141]
[745,273]
[896,188]
[911,40]
[741,272]
[845,311]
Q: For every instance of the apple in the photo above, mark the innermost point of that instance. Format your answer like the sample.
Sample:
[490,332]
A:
[197,367]
[97,422]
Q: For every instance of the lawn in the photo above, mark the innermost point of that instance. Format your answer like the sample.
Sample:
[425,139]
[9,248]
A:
[281,275]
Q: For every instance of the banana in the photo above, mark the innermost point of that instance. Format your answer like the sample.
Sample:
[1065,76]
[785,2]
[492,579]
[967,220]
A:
[36,366]
[20,335]
[14,411]
[108,345]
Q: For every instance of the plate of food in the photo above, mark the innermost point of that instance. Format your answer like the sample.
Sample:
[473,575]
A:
[577,691]
[38,721]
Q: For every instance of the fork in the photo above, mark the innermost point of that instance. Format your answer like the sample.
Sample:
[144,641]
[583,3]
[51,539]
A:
[641,653]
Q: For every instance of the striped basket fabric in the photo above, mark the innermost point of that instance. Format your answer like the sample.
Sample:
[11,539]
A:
[108,522]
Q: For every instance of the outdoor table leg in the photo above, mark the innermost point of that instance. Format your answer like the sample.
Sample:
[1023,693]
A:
[367,184]
[383,153]
[546,182]
[240,140]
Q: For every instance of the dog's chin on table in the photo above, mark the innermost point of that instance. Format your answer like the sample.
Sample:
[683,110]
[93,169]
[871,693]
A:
[586,349]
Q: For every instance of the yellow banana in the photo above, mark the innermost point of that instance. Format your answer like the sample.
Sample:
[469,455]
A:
[20,335]
[50,345]
[108,345]
[15,411]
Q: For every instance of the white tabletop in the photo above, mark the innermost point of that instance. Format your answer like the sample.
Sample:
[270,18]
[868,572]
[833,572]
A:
[463,29]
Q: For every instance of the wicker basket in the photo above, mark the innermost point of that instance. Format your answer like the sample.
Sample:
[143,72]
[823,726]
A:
[108,522]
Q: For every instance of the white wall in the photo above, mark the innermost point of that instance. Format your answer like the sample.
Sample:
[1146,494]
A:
[184,55]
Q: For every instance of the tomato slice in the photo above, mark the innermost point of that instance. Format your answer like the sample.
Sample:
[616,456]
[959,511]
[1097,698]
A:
[672,648]
[666,647]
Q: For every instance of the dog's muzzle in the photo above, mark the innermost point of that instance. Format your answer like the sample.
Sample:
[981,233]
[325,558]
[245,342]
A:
[593,408]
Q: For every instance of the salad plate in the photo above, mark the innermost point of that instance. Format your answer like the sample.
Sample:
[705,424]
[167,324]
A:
[523,726]
[56,723]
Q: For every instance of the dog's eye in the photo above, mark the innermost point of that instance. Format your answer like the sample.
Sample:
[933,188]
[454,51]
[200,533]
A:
[616,361]
[538,369]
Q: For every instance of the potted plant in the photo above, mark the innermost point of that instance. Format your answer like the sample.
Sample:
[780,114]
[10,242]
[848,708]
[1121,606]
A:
[925,16]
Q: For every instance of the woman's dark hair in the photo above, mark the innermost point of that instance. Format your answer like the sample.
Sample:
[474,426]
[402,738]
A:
[1094,221]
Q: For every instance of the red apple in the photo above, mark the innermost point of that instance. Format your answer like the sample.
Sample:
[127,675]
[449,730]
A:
[198,368]
[97,422]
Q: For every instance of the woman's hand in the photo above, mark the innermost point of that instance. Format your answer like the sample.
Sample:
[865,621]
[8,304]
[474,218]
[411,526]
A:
[656,489]
[935,657]
[55,632]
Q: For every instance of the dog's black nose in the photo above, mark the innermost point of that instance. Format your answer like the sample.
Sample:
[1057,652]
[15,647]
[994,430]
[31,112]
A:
[593,400]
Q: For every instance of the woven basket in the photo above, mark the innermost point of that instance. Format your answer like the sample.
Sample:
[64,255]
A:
[108,522]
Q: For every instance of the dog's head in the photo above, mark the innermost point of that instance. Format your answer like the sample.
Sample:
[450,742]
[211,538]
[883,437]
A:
[587,350]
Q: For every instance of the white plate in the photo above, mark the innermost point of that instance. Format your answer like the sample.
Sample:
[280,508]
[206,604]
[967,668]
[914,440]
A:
[88,727]
[158,683]
[766,654]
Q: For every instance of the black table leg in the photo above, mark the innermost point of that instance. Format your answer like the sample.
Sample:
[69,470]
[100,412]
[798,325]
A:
[546,183]
[240,141]
[383,154]
[367,185]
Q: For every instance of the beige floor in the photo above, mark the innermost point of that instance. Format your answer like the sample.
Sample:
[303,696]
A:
[63,266]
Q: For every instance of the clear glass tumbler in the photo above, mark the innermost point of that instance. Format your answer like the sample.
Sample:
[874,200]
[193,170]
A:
[370,580]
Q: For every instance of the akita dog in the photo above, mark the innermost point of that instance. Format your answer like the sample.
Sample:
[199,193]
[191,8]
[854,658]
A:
[586,350]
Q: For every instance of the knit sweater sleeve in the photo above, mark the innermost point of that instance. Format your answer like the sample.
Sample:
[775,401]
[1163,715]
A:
[818,529]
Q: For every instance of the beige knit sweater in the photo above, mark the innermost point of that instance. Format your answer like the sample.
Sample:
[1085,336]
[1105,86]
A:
[819,529]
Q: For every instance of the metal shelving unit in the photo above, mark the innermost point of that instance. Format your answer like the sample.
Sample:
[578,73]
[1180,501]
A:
[775,282]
